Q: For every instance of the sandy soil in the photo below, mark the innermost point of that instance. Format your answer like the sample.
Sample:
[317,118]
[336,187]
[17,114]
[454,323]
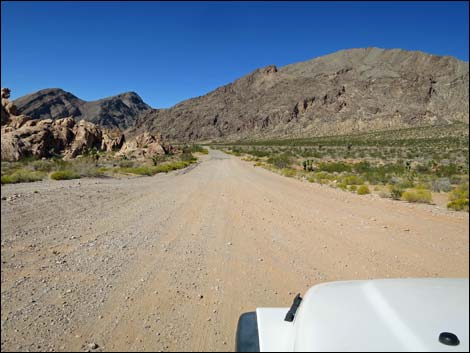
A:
[170,262]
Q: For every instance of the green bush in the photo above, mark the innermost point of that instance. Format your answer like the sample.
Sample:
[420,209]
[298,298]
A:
[324,176]
[65,175]
[396,192]
[152,170]
[460,192]
[43,165]
[363,190]
[125,163]
[144,170]
[352,188]
[362,167]
[288,172]
[332,167]
[281,161]
[417,195]
[187,157]
[22,176]
[459,205]
[353,180]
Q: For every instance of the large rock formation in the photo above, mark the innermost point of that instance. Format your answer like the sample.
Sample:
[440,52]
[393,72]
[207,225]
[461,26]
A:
[145,145]
[345,92]
[22,136]
[113,112]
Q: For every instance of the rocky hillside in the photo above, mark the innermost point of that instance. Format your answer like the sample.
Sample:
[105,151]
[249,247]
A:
[349,91]
[54,103]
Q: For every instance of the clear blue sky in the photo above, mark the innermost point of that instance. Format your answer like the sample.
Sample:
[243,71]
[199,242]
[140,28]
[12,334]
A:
[168,52]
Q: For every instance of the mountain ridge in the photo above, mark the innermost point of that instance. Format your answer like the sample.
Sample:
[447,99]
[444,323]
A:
[117,111]
[348,91]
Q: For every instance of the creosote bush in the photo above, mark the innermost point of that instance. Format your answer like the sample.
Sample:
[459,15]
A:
[417,195]
[459,205]
[363,190]
[22,176]
[64,175]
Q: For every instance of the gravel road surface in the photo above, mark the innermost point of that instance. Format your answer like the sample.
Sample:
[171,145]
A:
[170,262]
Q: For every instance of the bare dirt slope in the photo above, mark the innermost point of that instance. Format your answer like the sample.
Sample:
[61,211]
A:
[170,262]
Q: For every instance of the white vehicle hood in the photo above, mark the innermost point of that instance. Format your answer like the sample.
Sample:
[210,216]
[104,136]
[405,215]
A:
[374,315]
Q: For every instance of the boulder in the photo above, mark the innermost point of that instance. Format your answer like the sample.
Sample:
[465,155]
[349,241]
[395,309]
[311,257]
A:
[113,139]
[34,141]
[144,145]
[87,136]
[8,108]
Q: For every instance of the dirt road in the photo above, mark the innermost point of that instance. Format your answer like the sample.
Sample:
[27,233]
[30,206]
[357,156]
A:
[170,262]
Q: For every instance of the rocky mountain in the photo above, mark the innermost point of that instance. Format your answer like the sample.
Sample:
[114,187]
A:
[54,103]
[345,92]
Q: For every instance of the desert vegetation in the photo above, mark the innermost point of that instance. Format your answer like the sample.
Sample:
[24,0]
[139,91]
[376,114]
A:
[94,163]
[410,164]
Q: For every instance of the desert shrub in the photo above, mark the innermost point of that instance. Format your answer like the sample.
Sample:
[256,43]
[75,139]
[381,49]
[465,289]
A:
[157,159]
[352,188]
[363,190]
[384,194]
[257,153]
[64,175]
[143,170]
[194,149]
[152,170]
[406,183]
[417,195]
[61,164]
[125,163]
[43,165]
[311,179]
[324,177]
[22,176]
[187,157]
[342,186]
[362,167]
[423,186]
[460,192]
[332,167]
[459,205]
[442,184]
[353,180]
[85,167]
[447,170]
[288,172]
[281,161]
[395,192]
[458,179]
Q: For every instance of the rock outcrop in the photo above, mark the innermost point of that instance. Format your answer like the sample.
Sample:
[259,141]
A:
[22,136]
[351,91]
[145,145]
